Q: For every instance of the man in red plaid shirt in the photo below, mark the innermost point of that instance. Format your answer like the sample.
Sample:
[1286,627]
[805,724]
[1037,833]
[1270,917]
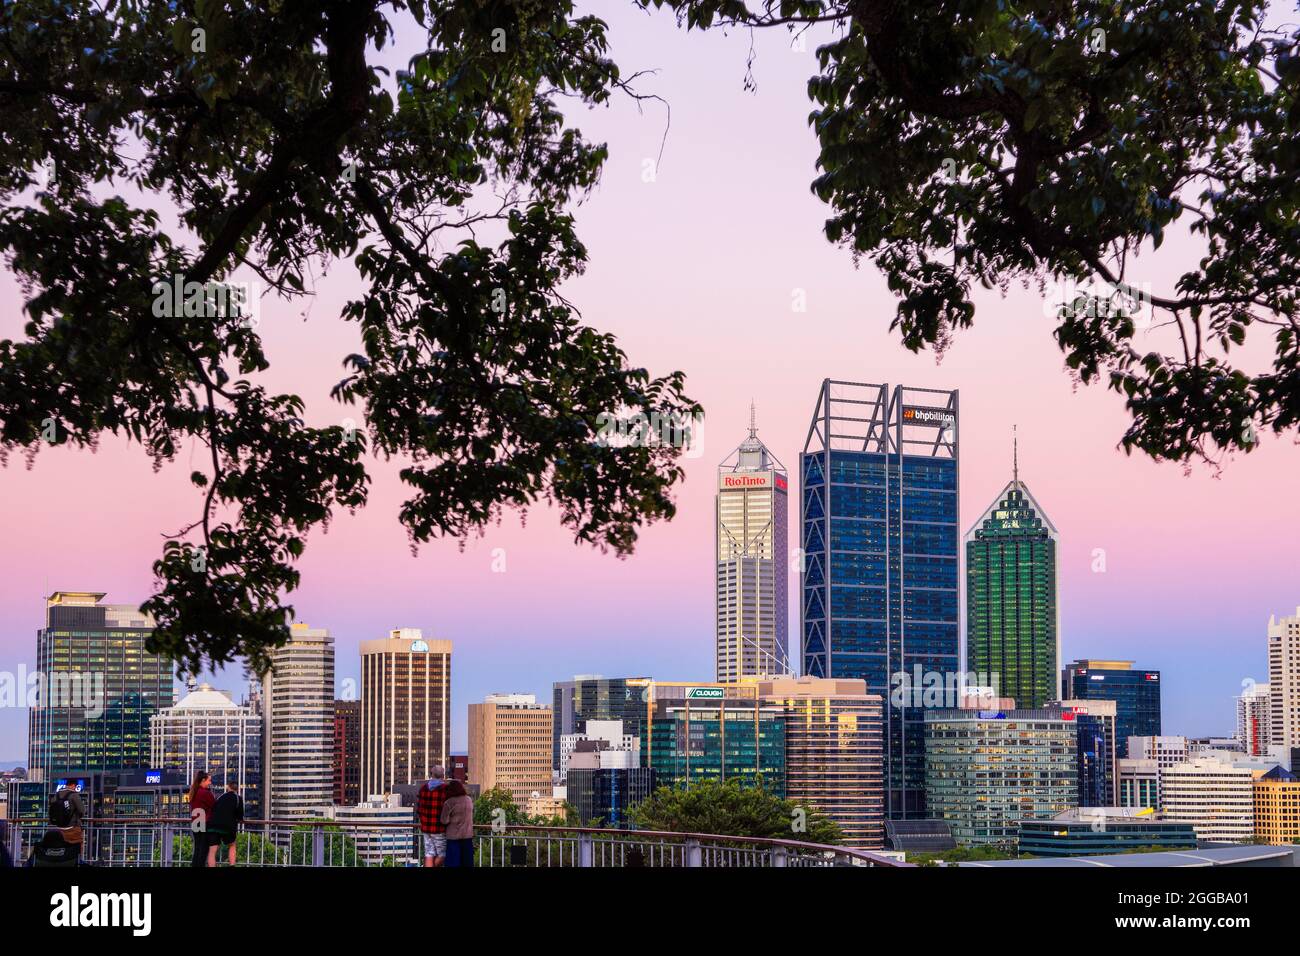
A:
[428,806]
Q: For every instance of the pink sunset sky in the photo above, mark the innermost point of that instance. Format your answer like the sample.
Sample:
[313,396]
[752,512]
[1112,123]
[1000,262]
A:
[697,271]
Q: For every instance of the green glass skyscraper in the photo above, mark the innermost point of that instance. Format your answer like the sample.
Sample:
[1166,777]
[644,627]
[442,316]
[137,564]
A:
[1012,611]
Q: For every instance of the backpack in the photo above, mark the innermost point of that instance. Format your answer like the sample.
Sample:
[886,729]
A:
[61,813]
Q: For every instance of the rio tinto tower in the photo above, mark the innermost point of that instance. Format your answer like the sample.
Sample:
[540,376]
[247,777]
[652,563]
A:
[752,568]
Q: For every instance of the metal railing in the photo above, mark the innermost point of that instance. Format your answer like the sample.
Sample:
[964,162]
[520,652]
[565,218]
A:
[136,841]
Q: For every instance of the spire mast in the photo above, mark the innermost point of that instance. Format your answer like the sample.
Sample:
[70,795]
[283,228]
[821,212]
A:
[1015,456]
[753,428]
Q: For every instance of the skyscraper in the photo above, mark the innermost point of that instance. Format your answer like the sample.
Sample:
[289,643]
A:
[1139,783]
[1255,719]
[1012,611]
[716,732]
[98,688]
[298,691]
[405,709]
[209,731]
[510,745]
[750,600]
[834,752]
[988,770]
[593,697]
[879,531]
[1136,693]
[1277,807]
[347,753]
[1284,678]
[1217,798]
[605,780]
[1098,758]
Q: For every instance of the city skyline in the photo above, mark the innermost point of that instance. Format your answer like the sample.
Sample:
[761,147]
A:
[1219,713]
[232,680]
[1195,564]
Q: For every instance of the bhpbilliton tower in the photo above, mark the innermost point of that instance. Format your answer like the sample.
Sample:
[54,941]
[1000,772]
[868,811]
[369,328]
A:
[751,635]
[879,530]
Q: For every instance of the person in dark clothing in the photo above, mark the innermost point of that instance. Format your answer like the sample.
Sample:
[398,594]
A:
[65,836]
[54,850]
[201,803]
[223,823]
[458,818]
[61,843]
[6,858]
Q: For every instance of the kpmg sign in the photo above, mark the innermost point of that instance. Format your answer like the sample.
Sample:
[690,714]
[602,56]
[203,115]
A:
[937,417]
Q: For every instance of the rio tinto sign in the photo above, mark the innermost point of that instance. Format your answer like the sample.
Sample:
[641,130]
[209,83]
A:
[762,480]
[918,415]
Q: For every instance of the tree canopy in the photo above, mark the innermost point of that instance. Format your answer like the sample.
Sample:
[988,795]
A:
[161,163]
[727,808]
[970,143]
[270,134]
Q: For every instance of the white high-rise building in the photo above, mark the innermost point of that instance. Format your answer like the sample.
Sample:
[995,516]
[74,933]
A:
[1139,783]
[752,631]
[610,732]
[1284,679]
[1255,719]
[1215,797]
[299,739]
[209,731]
[1164,751]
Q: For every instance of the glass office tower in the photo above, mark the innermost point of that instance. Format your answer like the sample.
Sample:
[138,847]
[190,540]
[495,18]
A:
[879,532]
[750,602]
[716,732]
[1012,622]
[592,697]
[1098,759]
[100,687]
[1136,694]
[603,795]
[988,770]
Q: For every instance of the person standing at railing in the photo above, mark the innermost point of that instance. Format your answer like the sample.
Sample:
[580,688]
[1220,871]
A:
[201,803]
[428,807]
[6,858]
[223,826]
[458,816]
[66,812]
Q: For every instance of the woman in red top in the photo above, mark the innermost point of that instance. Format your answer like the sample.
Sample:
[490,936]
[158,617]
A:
[201,803]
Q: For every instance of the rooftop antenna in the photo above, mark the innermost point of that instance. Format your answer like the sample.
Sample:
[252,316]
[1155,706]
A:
[753,428]
[1015,456]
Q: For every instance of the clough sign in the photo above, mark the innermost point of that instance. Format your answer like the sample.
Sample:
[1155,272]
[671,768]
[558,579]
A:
[918,415]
